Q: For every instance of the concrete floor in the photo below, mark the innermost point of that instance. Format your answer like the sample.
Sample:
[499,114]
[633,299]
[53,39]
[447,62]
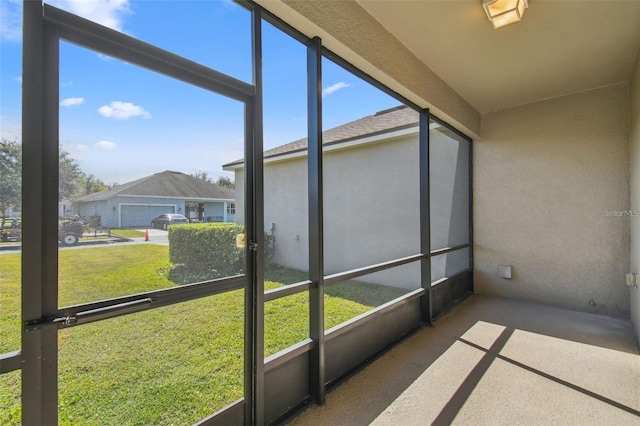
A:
[494,361]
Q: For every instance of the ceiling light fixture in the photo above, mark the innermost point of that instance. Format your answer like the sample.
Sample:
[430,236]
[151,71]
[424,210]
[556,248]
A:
[504,12]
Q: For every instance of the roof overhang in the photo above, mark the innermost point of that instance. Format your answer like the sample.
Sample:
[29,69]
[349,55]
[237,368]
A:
[339,145]
[445,55]
[200,199]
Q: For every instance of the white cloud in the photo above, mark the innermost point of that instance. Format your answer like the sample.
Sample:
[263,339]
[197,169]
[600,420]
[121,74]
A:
[80,147]
[11,20]
[106,145]
[71,102]
[109,13]
[334,88]
[122,110]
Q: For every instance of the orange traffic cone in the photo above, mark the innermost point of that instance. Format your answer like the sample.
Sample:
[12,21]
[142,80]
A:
[146,235]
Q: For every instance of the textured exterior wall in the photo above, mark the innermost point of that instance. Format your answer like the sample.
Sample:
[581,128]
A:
[348,30]
[635,191]
[544,173]
[287,206]
[108,216]
[371,208]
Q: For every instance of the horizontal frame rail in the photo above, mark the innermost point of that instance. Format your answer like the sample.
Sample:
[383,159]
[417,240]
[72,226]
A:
[445,250]
[111,308]
[445,279]
[287,354]
[92,315]
[287,290]
[10,361]
[299,287]
[114,43]
[356,321]
[354,273]
[450,127]
[306,345]
[237,406]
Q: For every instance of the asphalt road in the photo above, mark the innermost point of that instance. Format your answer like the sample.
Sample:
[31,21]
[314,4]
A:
[156,236]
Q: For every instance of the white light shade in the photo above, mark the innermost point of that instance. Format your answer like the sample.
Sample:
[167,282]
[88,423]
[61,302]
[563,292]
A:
[504,12]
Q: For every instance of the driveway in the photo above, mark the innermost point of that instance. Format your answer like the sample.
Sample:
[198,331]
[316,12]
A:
[156,236]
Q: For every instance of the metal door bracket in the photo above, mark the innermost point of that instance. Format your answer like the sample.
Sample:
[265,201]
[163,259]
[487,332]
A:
[90,315]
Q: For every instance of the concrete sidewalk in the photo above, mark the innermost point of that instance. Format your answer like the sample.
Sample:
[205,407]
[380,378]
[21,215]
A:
[494,361]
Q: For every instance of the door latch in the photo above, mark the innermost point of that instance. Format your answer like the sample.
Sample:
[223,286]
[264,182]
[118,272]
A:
[90,315]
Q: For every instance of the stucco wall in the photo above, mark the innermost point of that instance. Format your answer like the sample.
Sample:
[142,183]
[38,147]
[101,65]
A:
[544,174]
[635,191]
[287,207]
[371,208]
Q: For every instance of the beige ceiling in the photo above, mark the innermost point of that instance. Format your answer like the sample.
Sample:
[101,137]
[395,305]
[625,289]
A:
[559,47]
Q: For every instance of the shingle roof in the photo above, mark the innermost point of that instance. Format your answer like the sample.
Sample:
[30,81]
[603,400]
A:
[165,184]
[397,118]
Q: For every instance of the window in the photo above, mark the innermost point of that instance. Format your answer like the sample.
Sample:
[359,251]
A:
[231,208]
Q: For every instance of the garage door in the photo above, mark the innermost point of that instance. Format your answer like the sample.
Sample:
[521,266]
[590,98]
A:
[142,215]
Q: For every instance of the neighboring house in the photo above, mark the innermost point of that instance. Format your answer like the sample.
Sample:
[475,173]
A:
[137,203]
[10,212]
[64,208]
[371,197]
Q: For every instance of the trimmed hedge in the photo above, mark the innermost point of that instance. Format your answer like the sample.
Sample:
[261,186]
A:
[207,251]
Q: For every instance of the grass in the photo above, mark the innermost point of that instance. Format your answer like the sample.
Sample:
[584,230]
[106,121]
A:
[9,302]
[171,365]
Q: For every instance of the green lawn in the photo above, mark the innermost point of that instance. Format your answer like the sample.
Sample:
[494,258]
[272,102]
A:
[171,365]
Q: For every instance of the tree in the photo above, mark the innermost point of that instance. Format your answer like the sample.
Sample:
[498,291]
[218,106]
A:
[69,178]
[72,182]
[91,184]
[222,181]
[203,176]
[225,182]
[10,174]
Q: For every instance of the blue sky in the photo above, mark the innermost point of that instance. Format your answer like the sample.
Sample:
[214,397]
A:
[121,122]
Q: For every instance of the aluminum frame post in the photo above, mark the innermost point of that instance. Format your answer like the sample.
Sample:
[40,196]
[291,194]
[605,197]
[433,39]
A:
[39,210]
[426,309]
[316,236]
[254,215]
